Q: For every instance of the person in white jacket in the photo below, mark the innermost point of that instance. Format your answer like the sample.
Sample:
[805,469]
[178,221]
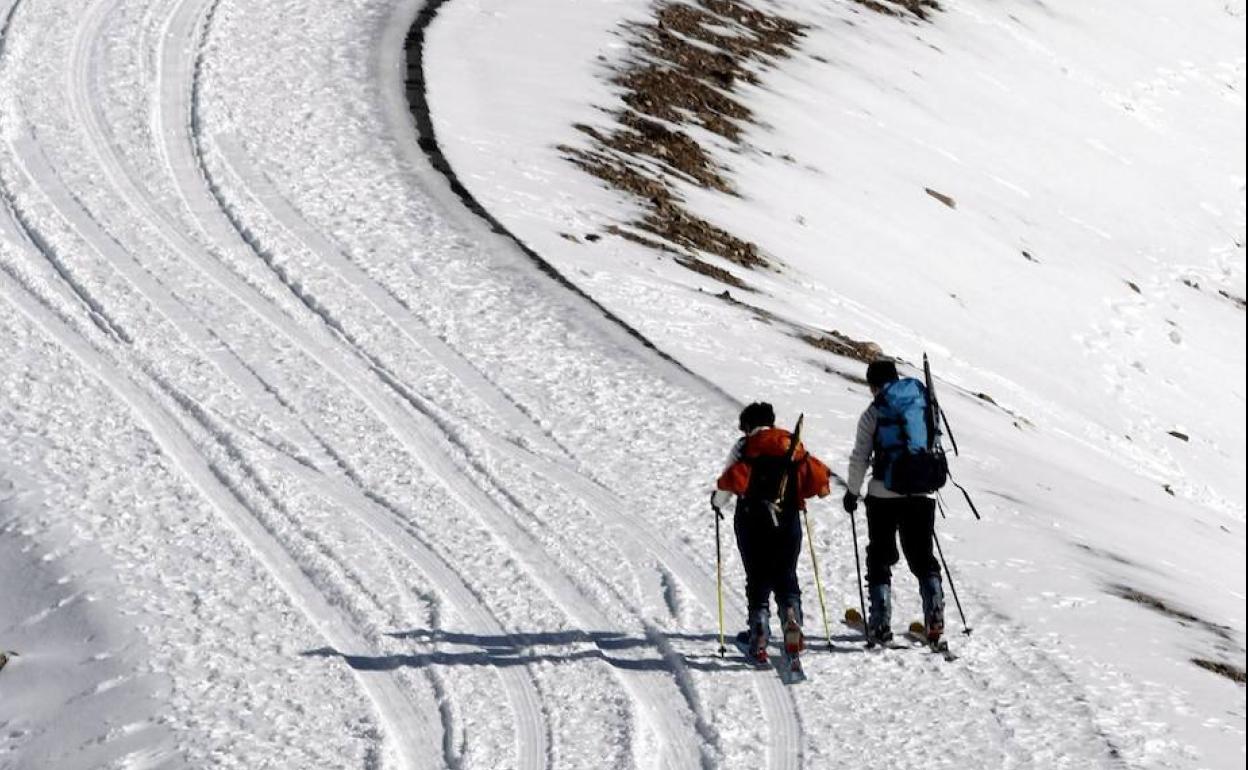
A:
[891,516]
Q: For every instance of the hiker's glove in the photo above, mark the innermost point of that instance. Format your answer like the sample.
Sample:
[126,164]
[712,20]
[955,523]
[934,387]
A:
[850,502]
[720,499]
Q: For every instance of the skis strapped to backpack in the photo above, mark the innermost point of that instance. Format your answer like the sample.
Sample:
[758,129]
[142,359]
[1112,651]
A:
[774,506]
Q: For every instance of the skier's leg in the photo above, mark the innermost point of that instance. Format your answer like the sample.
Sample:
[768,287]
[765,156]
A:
[752,542]
[916,541]
[881,556]
[914,527]
[788,590]
[881,540]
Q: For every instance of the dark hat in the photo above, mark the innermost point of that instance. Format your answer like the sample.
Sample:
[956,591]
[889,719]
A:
[881,372]
[757,415]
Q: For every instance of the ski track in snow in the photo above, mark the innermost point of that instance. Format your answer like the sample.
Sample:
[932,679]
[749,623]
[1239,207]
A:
[1020,709]
[412,744]
[661,713]
[178,36]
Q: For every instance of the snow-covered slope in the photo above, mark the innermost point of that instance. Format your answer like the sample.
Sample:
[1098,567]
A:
[1089,279]
[303,466]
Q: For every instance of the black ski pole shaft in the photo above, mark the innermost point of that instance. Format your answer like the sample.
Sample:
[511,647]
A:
[952,441]
[952,588]
[862,601]
[719,581]
[967,496]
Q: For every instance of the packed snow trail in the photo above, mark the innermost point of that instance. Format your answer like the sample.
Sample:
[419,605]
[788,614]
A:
[344,423]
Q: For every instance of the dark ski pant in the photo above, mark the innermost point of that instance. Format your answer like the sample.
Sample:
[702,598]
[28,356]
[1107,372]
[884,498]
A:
[909,518]
[769,554]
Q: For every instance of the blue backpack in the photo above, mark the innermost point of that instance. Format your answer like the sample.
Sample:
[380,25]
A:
[908,457]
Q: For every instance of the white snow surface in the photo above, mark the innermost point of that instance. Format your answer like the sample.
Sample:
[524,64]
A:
[303,466]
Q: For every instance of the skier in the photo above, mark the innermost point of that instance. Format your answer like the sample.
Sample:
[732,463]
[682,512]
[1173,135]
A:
[769,529]
[880,442]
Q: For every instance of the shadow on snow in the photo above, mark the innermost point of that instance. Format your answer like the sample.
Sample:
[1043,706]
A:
[522,649]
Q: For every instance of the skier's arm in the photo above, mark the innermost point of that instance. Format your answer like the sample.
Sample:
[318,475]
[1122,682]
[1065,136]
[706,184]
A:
[735,477]
[860,458]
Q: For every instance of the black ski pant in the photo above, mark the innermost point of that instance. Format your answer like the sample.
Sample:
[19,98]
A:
[909,518]
[769,553]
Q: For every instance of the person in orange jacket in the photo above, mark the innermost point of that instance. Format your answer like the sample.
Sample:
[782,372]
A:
[768,530]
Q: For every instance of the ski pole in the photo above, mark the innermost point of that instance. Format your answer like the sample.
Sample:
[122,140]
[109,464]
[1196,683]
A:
[823,607]
[966,495]
[862,602]
[719,580]
[952,588]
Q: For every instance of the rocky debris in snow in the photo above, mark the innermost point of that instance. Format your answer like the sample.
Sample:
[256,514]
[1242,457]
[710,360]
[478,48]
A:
[920,8]
[1134,287]
[945,199]
[766,316]
[707,269]
[681,71]
[674,223]
[1180,436]
[1237,301]
[629,235]
[1227,670]
[1158,605]
[842,345]
[675,149]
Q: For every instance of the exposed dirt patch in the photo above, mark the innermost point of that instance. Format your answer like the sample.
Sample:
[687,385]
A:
[681,72]
[679,83]
[1227,670]
[843,345]
[945,199]
[831,341]
[766,316]
[1236,301]
[920,8]
[1111,556]
[1158,605]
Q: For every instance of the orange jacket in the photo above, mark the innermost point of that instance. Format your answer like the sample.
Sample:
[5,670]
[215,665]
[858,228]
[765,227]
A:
[812,474]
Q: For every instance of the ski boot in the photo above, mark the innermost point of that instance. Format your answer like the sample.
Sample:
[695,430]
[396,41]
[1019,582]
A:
[794,640]
[754,641]
[933,608]
[880,614]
